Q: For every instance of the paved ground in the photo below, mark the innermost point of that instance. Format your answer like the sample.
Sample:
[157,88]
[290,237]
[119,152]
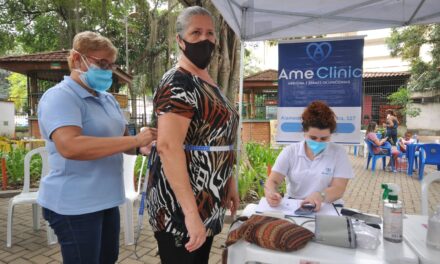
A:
[363,193]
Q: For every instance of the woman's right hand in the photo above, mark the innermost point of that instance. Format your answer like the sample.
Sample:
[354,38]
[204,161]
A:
[196,231]
[146,136]
[273,198]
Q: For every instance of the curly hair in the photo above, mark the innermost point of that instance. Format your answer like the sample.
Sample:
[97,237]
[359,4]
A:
[319,115]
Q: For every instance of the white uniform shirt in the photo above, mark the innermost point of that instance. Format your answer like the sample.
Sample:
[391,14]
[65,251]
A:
[305,176]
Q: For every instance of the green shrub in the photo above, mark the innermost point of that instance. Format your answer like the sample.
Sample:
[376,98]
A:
[254,169]
[15,166]
[35,169]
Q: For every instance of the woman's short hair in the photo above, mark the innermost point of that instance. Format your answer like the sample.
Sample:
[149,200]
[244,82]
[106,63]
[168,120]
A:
[185,16]
[87,41]
[318,115]
[371,127]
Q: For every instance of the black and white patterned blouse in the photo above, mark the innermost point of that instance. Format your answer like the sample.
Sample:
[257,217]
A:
[214,122]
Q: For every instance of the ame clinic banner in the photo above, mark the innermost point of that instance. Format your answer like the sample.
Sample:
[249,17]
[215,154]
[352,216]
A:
[329,70]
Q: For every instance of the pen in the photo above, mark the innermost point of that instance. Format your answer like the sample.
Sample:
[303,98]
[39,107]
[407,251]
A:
[262,184]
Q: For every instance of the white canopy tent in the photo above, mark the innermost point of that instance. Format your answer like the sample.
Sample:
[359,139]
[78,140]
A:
[255,20]
[275,19]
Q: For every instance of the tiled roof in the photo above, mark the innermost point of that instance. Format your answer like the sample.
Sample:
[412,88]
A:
[267,75]
[271,75]
[58,56]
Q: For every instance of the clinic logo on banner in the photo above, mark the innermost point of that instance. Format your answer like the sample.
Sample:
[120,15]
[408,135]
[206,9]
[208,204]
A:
[318,52]
[325,70]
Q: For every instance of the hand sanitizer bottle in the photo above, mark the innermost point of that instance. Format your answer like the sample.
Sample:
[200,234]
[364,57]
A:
[392,213]
[433,236]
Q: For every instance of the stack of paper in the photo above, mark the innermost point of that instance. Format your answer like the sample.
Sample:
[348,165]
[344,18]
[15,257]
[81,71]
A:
[288,207]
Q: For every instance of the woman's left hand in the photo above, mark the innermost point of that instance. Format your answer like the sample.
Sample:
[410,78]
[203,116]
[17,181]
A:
[232,199]
[314,198]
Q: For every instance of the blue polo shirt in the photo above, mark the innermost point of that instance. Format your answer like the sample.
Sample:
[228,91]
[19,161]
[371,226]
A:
[75,187]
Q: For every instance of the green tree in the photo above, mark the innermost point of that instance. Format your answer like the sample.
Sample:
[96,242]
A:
[18,90]
[250,61]
[407,43]
[403,98]
[4,84]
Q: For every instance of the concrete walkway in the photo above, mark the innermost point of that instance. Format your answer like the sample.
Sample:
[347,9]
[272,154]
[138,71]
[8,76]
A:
[363,193]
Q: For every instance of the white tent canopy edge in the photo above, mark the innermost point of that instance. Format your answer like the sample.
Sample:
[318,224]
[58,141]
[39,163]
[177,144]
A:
[262,20]
[255,20]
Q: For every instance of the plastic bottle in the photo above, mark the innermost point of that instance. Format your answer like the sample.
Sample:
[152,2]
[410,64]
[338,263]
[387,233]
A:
[392,213]
[416,139]
[433,236]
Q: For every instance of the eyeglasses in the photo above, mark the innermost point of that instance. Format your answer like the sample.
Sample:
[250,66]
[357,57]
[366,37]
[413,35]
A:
[102,63]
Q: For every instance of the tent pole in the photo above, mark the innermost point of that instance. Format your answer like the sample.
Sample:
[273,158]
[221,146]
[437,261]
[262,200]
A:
[240,95]
[240,111]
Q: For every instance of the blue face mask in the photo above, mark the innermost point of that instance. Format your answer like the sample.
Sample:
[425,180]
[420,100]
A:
[315,146]
[96,78]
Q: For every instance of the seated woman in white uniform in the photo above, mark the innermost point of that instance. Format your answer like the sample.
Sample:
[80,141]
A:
[315,169]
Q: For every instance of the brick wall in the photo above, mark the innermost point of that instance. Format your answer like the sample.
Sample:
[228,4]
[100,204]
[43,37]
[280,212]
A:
[256,132]
[35,129]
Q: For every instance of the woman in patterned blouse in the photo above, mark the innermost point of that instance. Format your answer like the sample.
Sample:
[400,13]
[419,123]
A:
[191,183]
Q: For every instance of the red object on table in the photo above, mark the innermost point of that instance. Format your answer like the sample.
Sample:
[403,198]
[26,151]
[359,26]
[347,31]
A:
[4,175]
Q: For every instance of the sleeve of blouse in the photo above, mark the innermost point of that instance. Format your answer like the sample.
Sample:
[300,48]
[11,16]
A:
[176,97]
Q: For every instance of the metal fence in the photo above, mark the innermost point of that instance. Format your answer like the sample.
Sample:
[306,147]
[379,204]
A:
[375,97]
[141,110]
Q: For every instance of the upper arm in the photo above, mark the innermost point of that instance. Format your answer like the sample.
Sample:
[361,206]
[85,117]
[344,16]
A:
[276,177]
[175,106]
[175,97]
[58,109]
[339,183]
[373,138]
[172,130]
[63,137]
[282,163]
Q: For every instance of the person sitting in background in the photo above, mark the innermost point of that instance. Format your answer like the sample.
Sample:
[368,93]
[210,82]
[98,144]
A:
[406,140]
[315,169]
[381,146]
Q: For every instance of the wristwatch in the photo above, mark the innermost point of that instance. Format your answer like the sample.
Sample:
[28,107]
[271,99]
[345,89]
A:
[323,195]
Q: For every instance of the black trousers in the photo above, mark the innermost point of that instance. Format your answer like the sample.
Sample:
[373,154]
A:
[174,252]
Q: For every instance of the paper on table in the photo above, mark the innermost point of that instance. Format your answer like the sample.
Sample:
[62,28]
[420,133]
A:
[288,207]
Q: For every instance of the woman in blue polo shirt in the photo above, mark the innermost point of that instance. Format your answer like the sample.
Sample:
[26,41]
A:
[86,134]
[315,169]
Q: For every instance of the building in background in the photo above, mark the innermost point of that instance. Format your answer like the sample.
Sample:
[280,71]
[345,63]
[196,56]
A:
[383,75]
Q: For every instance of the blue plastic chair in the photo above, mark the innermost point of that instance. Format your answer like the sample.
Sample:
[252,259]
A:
[372,156]
[429,154]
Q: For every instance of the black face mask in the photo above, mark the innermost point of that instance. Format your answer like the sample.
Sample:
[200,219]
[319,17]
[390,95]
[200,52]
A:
[199,53]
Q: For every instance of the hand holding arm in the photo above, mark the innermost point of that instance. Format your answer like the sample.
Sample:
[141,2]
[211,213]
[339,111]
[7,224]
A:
[72,144]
